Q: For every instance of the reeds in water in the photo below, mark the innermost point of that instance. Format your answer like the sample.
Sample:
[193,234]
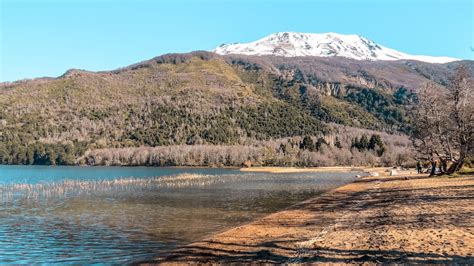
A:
[73,187]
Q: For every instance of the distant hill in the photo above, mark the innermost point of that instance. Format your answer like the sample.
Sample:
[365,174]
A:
[205,98]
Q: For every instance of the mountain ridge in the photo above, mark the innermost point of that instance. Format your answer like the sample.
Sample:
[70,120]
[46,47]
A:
[295,44]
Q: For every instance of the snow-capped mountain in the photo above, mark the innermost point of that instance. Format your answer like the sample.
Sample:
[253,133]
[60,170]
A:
[292,44]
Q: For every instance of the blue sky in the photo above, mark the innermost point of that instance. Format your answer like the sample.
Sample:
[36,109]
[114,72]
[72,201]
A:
[47,37]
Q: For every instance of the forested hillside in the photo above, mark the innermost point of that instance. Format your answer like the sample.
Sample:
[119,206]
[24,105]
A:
[204,99]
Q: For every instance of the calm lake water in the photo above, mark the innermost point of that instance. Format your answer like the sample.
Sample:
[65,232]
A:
[132,214]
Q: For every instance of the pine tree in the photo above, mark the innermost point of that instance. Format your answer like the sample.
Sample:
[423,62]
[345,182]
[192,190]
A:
[337,143]
[307,143]
[363,143]
[319,143]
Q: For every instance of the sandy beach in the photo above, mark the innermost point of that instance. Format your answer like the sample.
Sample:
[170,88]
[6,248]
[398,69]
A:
[302,170]
[381,171]
[398,219]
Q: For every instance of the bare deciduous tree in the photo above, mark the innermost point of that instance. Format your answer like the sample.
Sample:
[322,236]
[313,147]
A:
[444,122]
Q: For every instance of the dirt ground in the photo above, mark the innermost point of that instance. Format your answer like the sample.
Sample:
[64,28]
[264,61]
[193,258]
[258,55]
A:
[414,219]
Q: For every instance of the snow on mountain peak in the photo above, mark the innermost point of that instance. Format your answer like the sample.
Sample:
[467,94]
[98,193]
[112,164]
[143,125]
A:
[292,44]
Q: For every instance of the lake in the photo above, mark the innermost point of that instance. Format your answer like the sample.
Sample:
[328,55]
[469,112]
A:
[132,214]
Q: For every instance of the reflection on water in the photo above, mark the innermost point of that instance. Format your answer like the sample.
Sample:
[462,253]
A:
[128,219]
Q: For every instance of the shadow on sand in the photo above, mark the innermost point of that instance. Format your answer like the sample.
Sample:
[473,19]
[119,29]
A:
[209,255]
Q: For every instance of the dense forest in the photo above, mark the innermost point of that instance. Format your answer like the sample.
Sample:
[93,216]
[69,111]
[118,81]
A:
[274,112]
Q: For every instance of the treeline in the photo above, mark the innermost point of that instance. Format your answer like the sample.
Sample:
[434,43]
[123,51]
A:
[310,151]
[41,153]
[346,146]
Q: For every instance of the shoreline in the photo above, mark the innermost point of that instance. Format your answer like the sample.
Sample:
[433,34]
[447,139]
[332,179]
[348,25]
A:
[385,219]
[286,170]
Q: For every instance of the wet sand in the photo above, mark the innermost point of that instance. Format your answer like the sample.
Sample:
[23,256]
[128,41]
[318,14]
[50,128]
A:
[400,219]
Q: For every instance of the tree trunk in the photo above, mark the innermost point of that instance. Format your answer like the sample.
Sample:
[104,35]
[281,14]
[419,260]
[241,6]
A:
[456,166]
[433,168]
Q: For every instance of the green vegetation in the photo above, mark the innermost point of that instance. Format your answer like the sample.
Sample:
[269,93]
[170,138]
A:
[386,108]
[40,153]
